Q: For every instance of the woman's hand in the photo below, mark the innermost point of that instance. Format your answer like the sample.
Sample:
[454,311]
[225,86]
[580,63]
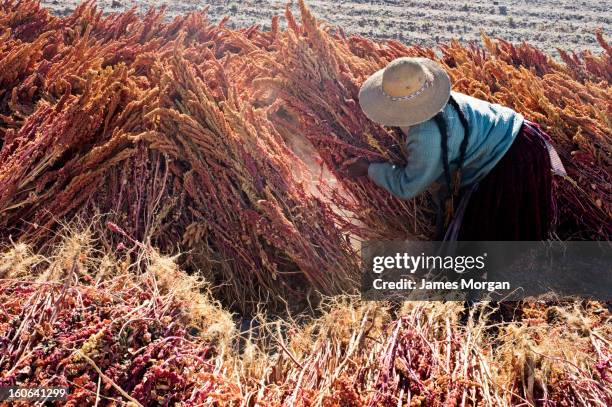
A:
[356,168]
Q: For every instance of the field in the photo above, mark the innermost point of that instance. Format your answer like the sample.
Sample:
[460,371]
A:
[176,227]
[544,23]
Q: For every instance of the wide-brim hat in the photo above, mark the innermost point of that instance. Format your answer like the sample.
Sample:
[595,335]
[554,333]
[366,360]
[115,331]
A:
[406,92]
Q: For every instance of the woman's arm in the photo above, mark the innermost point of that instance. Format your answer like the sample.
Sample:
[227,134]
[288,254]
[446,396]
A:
[423,169]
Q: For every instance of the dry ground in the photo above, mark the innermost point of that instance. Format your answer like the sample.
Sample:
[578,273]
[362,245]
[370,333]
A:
[549,24]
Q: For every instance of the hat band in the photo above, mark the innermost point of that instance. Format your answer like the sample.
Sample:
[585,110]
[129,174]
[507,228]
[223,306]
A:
[419,91]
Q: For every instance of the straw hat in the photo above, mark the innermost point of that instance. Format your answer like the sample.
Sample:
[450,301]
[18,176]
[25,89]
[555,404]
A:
[407,92]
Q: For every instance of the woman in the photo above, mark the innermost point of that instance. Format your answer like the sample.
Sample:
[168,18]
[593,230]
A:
[493,165]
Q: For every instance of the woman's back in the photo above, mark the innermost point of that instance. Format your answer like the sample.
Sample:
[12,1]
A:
[492,129]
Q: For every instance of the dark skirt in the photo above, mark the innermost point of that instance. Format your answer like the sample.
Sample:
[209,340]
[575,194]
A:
[515,200]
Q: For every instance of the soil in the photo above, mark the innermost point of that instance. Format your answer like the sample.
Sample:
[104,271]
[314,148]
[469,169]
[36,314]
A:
[548,24]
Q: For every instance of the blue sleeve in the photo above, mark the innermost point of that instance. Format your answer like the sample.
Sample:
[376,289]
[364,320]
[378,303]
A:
[424,164]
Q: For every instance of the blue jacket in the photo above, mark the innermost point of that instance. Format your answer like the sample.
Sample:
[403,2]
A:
[492,129]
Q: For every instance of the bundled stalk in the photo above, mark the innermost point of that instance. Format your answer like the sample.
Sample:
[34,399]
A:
[246,226]
[89,323]
[423,355]
[242,200]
